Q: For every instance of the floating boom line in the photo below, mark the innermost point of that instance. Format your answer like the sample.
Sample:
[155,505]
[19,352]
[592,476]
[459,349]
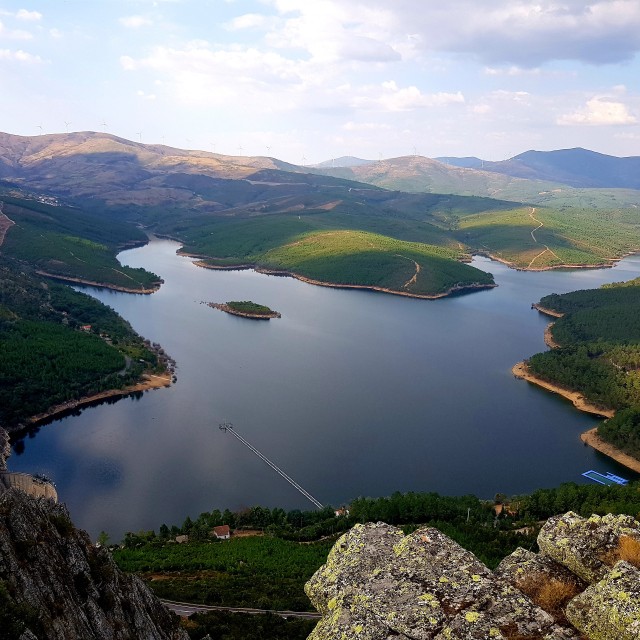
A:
[228,427]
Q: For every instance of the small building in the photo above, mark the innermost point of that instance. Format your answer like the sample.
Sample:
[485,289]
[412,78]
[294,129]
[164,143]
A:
[85,327]
[182,539]
[222,532]
[342,512]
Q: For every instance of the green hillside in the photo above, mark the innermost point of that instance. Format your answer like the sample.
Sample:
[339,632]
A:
[47,356]
[69,243]
[599,355]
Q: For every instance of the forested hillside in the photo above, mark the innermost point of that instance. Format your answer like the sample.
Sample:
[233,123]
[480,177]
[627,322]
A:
[268,566]
[59,345]
[599,355]
[72,244]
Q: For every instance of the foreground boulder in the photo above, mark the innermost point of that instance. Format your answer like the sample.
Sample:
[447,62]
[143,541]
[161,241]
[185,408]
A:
[585,583]
[585,545]
[379,583]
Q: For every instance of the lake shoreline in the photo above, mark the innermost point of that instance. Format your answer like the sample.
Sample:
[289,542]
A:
[521,371]
[149,382]
[611,262]
[589,437]
[100,285]
[592,438]
[320,283]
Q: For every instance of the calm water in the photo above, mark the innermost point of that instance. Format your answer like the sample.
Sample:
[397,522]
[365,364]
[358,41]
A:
[350,392]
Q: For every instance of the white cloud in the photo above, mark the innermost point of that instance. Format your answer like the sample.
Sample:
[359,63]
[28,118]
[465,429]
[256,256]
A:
[14,34]
[599,111]
[512,71]
[248,21]
[146,96]
[135,22]
[19,56]
[30,16]
[390,97]
[512,32]
[200,75]
[365,126]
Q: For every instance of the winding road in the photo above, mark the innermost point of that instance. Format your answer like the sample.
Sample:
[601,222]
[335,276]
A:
[186,609]
[5,223]
[533,236]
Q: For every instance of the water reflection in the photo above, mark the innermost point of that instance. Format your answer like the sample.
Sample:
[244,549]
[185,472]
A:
[350,392]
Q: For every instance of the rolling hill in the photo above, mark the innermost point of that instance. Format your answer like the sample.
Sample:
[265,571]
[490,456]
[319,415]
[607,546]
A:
[234,211]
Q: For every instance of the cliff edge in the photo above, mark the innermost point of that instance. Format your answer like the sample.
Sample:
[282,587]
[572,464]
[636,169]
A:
[56,585]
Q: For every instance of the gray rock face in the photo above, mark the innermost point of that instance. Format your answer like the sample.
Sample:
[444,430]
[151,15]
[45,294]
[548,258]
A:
[584,544]
[378,583]
[73,590]
[610,608]
[5,449]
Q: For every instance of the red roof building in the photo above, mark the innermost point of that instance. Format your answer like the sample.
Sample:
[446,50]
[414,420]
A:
[222,532]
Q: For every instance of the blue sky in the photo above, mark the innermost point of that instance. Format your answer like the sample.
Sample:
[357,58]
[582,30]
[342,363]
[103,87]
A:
[308,80]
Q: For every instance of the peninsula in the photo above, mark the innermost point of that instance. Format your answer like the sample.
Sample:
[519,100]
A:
[594,361]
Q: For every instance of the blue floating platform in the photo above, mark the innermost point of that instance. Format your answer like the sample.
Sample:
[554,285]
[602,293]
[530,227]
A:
[608,478]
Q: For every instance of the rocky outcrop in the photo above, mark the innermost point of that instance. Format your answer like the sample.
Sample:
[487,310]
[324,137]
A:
[56,585]
[584,545]
[378,583]
[5,449]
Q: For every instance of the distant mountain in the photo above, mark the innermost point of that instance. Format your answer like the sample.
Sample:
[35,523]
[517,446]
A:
[418,174]
[575,167]
[468,162]
[123,173]
[343,161]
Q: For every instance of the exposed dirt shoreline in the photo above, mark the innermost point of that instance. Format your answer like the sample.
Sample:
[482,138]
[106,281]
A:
[243,314]
[521,371]
[600,265]
[591,436]
[332,285]
[102,285]
[149,381]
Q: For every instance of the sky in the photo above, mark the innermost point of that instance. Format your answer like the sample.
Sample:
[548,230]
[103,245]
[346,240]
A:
[310,80]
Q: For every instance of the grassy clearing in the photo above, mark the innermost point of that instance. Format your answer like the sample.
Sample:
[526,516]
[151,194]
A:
[573,236]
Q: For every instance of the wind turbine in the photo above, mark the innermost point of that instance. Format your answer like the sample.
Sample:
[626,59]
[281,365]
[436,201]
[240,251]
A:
[304,159]
[139,134]
[268,149]
[415,151]
[104,125]
[213,147]
[66,124]
[39,127]
[240,150]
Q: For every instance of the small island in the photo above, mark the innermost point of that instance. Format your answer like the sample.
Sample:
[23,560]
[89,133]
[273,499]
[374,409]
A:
[246,309]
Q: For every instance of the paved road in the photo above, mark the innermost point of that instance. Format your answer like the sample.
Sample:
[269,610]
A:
[186,609]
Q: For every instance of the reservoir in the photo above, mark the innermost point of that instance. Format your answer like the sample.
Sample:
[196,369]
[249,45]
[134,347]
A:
[352,393]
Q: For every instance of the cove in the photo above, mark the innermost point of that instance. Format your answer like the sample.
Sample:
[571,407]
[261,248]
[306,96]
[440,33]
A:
[349,392]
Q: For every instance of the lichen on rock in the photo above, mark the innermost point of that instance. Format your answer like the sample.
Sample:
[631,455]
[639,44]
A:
[610,608]
[378,583]
[583,544]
